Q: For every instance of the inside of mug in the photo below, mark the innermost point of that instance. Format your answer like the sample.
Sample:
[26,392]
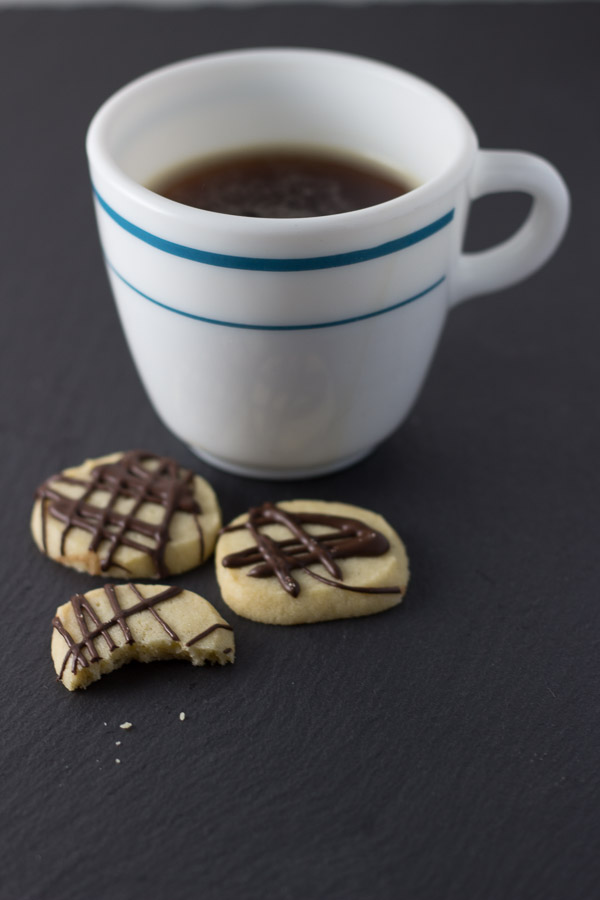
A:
[248,101]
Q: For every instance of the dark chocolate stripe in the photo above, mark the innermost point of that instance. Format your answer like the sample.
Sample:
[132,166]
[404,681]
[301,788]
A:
[208,631]
[81,606]
[166,485]
[353,538]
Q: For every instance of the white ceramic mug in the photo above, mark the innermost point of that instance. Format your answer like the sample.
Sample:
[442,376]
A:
[285,348]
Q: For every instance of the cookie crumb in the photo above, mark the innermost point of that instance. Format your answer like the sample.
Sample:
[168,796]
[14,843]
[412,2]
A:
[181,716]
[125,726]
[117,760]
[117,743]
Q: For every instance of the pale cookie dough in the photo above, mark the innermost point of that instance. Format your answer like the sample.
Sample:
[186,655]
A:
[350,563]
[102,630]
[132,515]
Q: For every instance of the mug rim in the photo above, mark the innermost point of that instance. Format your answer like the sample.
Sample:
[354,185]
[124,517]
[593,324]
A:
[101,157]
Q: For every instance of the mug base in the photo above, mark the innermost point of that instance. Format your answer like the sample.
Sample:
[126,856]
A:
[270,474]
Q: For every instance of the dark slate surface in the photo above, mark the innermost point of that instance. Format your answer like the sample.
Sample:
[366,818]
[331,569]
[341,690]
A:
[447,749]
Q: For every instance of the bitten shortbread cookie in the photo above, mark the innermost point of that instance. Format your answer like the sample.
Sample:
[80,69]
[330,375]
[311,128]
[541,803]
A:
[132,515]
[309,561]
[104,629]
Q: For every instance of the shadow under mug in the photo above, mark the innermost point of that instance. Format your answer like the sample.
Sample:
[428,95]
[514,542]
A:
[287,348]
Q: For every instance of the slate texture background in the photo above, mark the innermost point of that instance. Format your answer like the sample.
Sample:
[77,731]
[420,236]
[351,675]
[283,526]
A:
[447,749]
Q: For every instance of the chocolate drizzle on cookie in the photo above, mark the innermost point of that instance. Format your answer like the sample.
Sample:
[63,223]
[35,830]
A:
[351,538]
[163,483]
[93,629]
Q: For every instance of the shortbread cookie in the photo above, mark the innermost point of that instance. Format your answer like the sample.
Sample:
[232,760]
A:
[132,515]
[104,629]
[309,561]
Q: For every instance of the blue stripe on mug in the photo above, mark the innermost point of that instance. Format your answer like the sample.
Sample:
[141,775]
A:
[265,264]
[348,321]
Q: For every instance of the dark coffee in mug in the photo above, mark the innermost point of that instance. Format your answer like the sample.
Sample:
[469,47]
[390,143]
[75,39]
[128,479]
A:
[283,183]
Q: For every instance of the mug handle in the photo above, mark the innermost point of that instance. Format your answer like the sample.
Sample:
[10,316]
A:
[536,240]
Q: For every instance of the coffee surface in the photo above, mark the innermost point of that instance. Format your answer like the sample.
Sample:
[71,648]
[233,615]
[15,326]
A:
[282,184]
